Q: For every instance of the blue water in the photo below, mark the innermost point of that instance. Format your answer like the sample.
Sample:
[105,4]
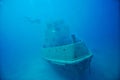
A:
[22,28]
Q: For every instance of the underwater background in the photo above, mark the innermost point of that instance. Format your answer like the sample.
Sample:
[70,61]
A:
[22,29]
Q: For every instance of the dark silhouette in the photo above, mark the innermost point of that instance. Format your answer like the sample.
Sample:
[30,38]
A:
[33,21]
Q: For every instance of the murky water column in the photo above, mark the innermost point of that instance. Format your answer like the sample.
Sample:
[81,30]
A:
[22,25]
